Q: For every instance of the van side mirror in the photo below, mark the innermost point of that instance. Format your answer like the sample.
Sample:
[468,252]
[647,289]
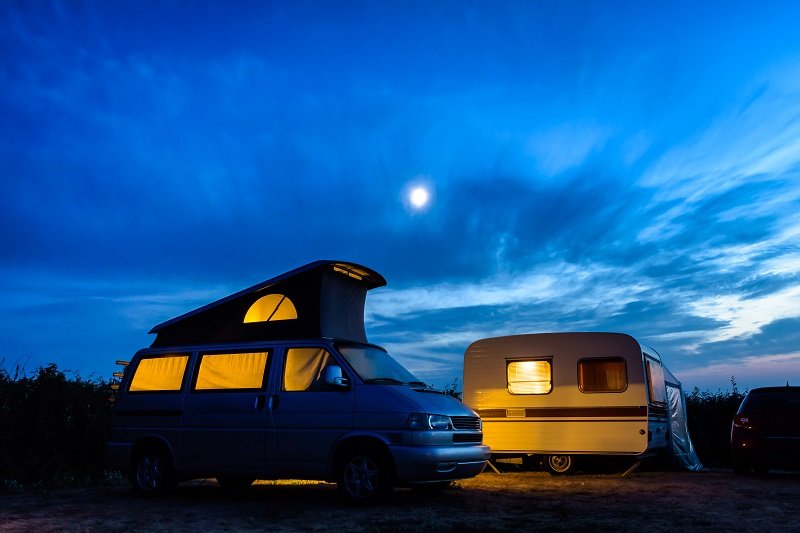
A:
[332,375]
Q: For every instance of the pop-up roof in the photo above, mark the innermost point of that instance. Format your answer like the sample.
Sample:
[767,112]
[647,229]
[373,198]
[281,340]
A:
[320,299]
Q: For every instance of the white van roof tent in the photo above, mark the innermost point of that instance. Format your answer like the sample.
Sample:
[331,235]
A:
[321,299]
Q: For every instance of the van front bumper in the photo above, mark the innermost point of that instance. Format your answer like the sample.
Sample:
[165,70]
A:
[417,464]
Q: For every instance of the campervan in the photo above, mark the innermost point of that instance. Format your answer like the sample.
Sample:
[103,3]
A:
[279,382]
[563,396]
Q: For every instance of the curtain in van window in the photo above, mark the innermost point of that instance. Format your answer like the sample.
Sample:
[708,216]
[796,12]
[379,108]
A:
[304,367]
[231,371]
[159,374]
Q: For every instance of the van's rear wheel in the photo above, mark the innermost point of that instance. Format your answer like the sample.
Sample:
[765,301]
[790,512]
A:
[560,464]
[151,472]
[364,476]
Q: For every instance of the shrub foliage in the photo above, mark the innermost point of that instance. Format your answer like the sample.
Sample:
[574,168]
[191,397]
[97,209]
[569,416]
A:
[53,427]
[709,416]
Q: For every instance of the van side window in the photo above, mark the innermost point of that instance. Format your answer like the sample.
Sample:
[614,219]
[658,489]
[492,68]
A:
[159,374]
[655,382]
[602,375]
[232,371]
[529,377]
[303,368]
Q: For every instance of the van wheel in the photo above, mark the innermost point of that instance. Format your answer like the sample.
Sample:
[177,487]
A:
[231,482]
[560,464]
[364,476]
[151,473]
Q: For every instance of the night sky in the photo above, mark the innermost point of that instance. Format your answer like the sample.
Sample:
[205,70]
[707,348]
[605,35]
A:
[591,166]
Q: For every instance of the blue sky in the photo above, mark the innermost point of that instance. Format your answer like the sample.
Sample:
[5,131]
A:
[593,166]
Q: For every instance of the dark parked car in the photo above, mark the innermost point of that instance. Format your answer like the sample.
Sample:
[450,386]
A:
[766,430]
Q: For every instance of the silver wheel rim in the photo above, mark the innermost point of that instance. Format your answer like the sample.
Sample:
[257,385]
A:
[150,473]
[361,477]
[560,463]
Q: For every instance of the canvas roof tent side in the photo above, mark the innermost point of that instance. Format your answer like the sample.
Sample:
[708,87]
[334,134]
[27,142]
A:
[320,299]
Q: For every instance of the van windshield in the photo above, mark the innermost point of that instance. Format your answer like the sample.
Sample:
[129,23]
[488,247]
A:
[373,365]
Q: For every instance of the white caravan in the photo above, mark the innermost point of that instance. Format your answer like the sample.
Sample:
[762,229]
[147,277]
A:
[561,395]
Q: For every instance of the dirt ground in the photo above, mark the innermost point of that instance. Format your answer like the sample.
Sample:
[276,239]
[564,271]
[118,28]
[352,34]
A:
[512,501]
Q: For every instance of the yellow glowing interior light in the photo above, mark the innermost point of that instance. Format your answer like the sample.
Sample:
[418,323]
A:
[270,308]
[231,371]
[159,374]
[529,377]
[349,272]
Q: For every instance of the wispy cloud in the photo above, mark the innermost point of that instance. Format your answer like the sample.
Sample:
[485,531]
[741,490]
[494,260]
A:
[566,146]
[744,316]
[752,368]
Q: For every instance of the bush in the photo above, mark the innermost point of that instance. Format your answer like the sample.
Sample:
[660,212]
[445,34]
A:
[52,428]
[709,416]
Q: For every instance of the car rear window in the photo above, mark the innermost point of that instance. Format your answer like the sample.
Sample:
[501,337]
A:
[770,400]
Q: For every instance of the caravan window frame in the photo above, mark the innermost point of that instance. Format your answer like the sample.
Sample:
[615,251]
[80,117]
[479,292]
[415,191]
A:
[648,359]
[548,360]
[603,359]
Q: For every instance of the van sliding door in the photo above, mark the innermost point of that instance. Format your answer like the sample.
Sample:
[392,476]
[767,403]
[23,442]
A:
[226,422]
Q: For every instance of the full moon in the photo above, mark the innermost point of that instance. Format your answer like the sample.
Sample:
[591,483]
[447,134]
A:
[419,197]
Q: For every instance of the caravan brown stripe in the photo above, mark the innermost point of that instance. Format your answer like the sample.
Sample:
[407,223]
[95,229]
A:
[570,412]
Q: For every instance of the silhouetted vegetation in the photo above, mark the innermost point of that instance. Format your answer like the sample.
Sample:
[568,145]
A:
[710,415]
[53,427]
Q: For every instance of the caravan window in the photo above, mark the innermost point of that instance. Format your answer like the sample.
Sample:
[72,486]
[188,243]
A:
[602,375]
[231,371]
[159,374]
[529,377]
[655,382]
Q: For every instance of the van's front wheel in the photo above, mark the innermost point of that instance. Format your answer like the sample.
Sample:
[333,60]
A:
[560,464]
[364,476]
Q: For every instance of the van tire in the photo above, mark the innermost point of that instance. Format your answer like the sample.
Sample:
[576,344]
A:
[365,476]
[560,464]
[151,472]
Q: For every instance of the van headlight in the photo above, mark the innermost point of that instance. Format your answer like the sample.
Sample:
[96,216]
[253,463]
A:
[426,421]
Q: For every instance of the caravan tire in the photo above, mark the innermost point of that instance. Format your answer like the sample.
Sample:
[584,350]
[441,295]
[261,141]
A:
[560,464]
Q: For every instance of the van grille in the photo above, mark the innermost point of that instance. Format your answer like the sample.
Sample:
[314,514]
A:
[466,422]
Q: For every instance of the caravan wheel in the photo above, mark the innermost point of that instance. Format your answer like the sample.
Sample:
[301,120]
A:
[560,464]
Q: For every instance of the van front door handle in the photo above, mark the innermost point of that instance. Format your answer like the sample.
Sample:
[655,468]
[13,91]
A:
[261,400]
[273,402]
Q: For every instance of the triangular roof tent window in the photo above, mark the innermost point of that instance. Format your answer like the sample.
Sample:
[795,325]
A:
[320,299]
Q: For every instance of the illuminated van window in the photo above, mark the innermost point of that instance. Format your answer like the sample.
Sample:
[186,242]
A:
[529,377]
[303,368]
[602,375]
[159,374]
[231,371]
[271,308]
